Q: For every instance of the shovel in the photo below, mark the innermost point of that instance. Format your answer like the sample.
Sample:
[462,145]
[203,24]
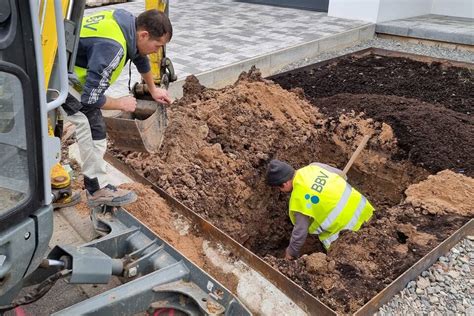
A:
[355,155]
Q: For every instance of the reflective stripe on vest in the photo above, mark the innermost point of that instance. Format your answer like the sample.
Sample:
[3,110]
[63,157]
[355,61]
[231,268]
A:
[356,218]
[103,25]
[330,201]
[335,211]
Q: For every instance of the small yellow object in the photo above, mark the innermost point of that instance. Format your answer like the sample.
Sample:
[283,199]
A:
[59,177]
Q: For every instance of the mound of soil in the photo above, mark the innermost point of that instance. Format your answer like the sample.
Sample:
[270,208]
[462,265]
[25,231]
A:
[445,192]
[363,263]
[218,143]
[451,87]
[214,157]
[429,106]
[430,136]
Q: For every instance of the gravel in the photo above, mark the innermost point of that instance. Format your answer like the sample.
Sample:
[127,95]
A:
[446,288]
[419,49]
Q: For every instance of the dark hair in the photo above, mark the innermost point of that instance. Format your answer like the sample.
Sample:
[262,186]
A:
[156,23]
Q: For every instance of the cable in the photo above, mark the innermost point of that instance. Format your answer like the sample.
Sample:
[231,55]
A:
[37,292]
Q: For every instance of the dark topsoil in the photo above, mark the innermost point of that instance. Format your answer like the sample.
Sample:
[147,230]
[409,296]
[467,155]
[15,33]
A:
[214,156]
[435,134]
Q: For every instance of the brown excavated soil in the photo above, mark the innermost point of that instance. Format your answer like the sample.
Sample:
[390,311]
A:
[445,192]
[153,210]
[213,159]
[361,264]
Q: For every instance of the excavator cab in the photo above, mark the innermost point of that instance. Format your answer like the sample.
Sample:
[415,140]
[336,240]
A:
[26,152]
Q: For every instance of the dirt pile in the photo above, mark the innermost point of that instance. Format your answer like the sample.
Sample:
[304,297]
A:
[428,106]
[218,143]
[436,83]
[216,148]
[214,157]
[361,264]
[445,192]
[433,137]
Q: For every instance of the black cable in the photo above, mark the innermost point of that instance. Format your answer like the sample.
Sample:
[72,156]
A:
[37,292]
[129,75]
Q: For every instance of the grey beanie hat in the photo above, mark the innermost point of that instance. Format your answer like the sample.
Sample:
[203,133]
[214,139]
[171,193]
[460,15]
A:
[278,172]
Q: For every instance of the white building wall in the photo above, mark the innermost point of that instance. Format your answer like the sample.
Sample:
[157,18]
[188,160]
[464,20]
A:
[400,9]
[385,10]
[365,10]
[461,8]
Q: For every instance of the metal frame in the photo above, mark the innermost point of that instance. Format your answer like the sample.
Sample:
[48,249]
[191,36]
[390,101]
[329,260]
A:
[51,146]
[301,297]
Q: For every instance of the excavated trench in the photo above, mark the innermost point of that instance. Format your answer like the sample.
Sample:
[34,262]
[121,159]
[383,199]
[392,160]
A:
[218,143]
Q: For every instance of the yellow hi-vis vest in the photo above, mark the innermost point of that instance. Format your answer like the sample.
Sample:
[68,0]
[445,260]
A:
[103,25]
[330,201]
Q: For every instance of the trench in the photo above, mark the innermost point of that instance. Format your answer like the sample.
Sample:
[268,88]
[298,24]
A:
[218,143]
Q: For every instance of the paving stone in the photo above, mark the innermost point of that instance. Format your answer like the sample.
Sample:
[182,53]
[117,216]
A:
[451,29]
[211,34]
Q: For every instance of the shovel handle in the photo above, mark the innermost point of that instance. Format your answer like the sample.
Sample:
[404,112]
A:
[355,154]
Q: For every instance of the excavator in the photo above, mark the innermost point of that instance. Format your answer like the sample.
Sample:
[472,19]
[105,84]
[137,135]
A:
[38,41]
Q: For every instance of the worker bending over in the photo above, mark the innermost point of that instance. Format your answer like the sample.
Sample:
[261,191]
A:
[108,40]
[321,203]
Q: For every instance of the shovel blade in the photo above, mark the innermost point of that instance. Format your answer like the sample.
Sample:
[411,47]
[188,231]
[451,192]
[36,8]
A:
[142,130]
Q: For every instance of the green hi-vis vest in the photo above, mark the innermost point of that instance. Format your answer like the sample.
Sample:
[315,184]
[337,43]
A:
[103,25]
[330,201]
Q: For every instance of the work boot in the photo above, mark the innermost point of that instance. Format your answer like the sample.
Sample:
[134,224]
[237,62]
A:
[112,196]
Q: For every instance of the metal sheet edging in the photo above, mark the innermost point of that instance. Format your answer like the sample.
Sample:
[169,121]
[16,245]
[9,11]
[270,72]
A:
[301,297]
[425,262]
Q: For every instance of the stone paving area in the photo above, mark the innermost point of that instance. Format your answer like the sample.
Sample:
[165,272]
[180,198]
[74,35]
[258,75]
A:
[213,33]
[432,27]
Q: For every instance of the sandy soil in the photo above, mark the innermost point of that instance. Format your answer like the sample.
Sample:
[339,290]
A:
[445,192]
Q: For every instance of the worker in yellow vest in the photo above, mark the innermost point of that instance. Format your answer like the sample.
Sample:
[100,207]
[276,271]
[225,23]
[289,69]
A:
[321,203]
[108,40]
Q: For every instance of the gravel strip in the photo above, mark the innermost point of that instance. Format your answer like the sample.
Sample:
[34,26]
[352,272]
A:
[438,52]
[446,288]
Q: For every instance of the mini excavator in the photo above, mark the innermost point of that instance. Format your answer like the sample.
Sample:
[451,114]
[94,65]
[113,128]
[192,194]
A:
[38,41]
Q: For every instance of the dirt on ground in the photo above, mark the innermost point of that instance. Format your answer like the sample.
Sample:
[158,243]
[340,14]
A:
[434,133]
[214,157]
[361,264]
[434,83]
[153,210]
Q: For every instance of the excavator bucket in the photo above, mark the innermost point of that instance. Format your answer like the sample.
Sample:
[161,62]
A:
[142,130]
